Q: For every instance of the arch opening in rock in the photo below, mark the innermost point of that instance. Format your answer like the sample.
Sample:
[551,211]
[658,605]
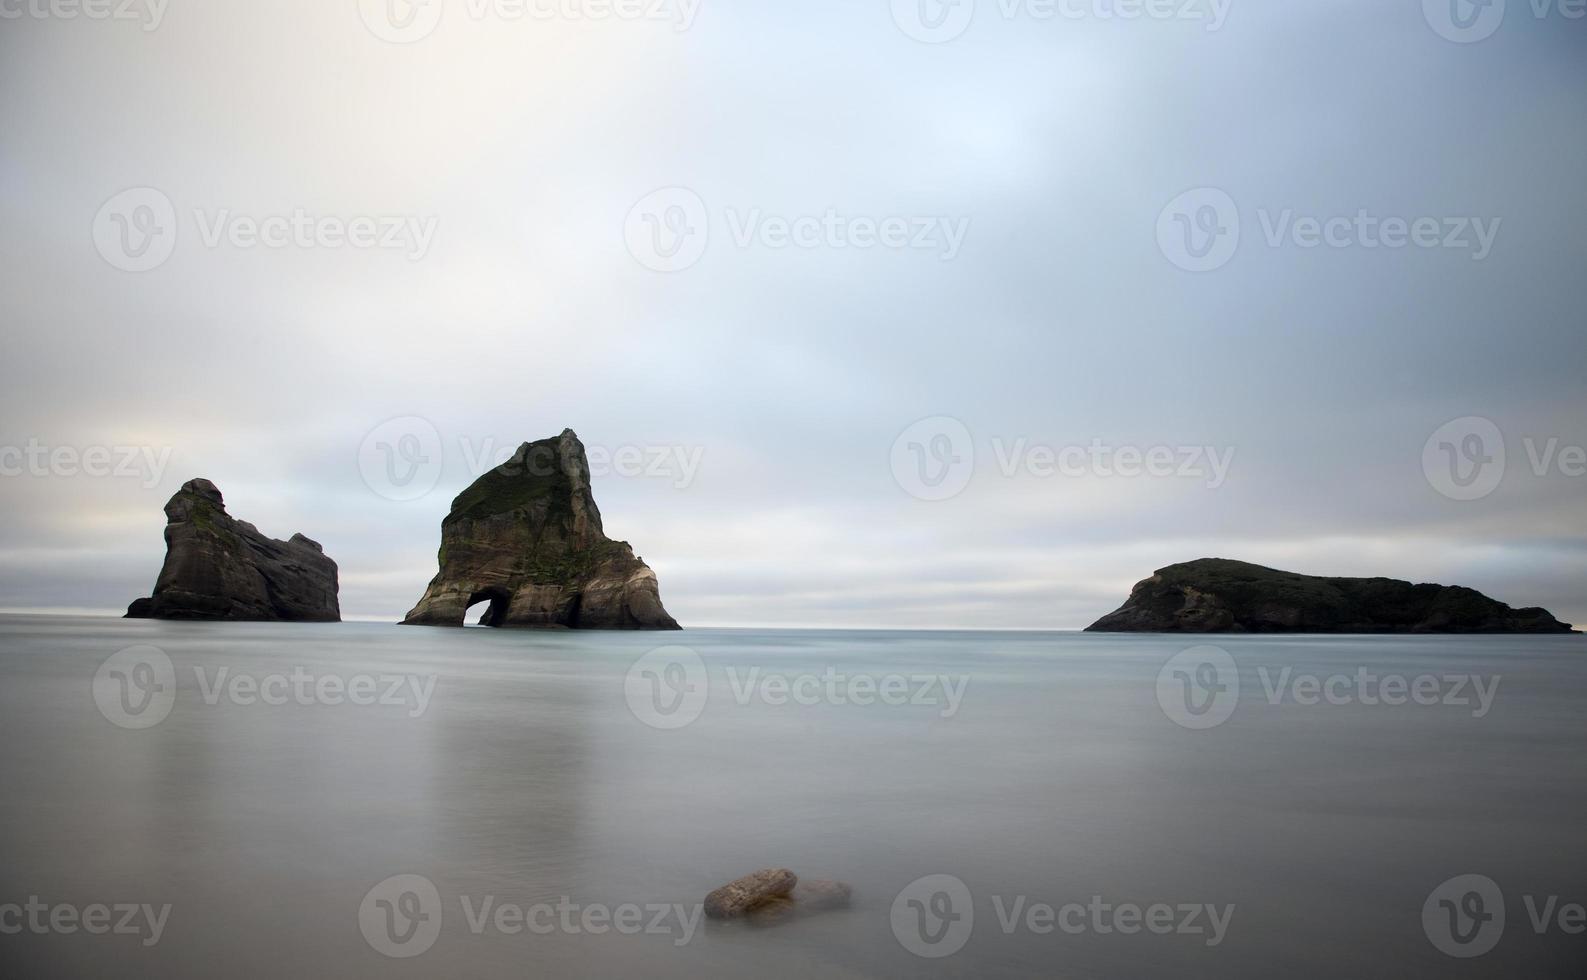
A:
[495,600]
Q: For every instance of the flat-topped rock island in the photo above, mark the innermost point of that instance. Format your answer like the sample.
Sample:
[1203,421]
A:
[1218,595]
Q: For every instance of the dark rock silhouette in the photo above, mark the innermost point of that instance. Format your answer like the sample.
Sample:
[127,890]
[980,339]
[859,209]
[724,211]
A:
[217,567]
[1217,595]
[527,538]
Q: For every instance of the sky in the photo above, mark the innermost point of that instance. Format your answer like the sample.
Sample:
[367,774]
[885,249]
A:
[871,313]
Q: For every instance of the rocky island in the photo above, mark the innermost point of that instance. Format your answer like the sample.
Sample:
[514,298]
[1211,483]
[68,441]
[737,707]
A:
[217,567]
[527,538]
[1217,595]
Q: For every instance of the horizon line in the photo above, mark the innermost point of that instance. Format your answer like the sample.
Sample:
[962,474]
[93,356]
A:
[68,612]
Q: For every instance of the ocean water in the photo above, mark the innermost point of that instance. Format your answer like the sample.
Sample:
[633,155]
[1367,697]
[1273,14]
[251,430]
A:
[1001,804]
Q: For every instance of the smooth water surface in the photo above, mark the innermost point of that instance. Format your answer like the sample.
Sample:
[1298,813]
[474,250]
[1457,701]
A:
[536,773]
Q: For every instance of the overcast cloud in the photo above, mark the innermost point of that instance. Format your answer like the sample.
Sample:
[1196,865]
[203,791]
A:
[1036,288]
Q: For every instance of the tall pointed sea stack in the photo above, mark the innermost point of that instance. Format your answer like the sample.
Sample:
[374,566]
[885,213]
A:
[217,567]
[526,537]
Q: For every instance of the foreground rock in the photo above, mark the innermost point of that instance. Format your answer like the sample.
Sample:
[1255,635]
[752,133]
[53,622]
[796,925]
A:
[1216,595]
[808,897]
[217,567]
[527,538]
[737,897]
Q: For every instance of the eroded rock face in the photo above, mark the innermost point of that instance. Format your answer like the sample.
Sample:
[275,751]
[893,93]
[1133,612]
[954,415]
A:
[527,538]
[217,567]
[1216,595]
[740,895]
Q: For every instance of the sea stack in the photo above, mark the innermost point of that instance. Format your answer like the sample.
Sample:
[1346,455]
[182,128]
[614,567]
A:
[217,567]
[1216,595]
[527,538]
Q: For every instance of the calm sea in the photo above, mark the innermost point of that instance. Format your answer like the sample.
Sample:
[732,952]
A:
[252,800]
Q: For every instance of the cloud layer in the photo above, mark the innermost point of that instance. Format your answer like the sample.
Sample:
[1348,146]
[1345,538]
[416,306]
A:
[800,337]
